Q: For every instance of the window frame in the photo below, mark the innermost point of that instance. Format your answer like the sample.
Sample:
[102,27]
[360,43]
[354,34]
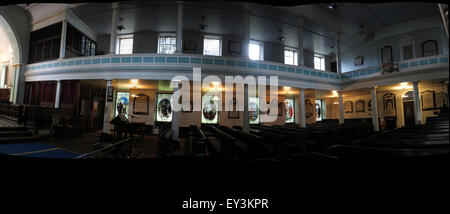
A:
[295,55]
[212,37]
[166,35]
[436,46]
[124,36]
[322,59]
[261,49]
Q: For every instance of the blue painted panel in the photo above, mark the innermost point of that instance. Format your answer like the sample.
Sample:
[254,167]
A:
[219,61]
[377,70]
[183,59]
[319,74]
[87,62]
[126,59]
[78,62]
[252,65]
[148,59]
[50,65]
[96,61]
[404,65]
[231,63]
[444,59]
[313,73]
[104,60]
[412,64]
[63,63]
[56,64]
[160,59]
[281,68]
[171,59]
[42,66]
[272,67]
[424,62]
[354,74]
[325,75]
[137,59]
[207,61]
[196,60]
[262,66]
[370,71]
[115,60]
[242,64]
[363,72]
[70,63]
[434,61]
[306,72]
[298,71]
[289,69]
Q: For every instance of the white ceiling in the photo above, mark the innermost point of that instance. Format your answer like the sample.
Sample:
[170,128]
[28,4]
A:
[5,51]
[268,23]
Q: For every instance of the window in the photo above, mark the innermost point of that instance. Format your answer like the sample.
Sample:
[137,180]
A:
[125,44]
[429,48]
[290,56]
[256,50]
[408,52]
[45,43]
[319,62]
[289,107]
[212,45]
[386,54]
[167,44]
[78,44]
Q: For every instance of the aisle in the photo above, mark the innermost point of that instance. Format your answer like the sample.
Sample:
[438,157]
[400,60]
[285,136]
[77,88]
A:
[35,150]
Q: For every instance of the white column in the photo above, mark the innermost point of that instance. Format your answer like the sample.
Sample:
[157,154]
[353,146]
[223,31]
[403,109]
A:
[62,46]
[112,39]
[108,106]
[302,109]
[300,41]
[417,109]
[341,108]
[179,27]
[175,118]
[246,42]
[338,52]
[2,78]
[245,116]
[376,126]
[58,93]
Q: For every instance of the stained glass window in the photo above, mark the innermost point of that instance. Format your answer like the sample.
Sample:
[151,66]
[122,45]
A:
[253,110]
[167,44]
[164,108]
[289,106]
[122,103]
[210,107]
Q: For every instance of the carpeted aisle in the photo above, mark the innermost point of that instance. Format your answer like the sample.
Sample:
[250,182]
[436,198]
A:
[36,150]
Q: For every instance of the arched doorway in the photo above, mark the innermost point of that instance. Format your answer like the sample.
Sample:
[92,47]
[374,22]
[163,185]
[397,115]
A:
[10,61]
[408,108]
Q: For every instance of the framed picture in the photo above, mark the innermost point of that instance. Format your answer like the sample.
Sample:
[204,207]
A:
[441,100]
[428,101]
[369,105]
[309,108]
[190,46]
[360,106]
[429,48]
[140,104]
[235,113]
[389,104]
[348,105]
[386,54]
[359,60]
[234,47]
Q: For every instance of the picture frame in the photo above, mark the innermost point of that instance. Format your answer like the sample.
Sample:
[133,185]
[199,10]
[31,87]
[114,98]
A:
[359,60]
[360,106]
[141,104]
[190,46]
[234,47]
[441,100]
[429,48]
[309,108]
[348,106]
[389,104]
[428,100]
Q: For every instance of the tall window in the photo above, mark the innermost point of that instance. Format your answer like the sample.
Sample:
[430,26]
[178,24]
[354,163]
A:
[429,48]
[319,62]
[167,44]
[125,44]
[256,50]
[290,56]
[212,45]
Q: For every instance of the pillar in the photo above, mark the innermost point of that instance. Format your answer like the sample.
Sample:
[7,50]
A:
[417,109]
[108,105]
[246,43]
[338,52]
[58,93]
[300,41]
[175,118]
[341,108]
[376,126]
[62,46]
[112,40]
[302,109]
[245,124]
[179,48]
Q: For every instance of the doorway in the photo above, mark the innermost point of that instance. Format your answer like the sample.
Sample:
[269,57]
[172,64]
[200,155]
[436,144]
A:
[408,108]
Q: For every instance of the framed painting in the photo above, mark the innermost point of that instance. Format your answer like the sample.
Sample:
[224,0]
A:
[348,106]
[140,104]
[359,60]
[428,101]
[234,47]
[190,46]
[360,107]
[389,104]
[441,100]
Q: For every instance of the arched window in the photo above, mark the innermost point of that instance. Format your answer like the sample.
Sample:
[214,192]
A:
[429,48]
[386,54]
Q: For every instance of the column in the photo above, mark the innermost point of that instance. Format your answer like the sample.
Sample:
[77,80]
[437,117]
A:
[175,118]
[341,108]
[112,39]
[338,52]
[179,27]
[58,93]
[376,126]
[246,42]
[302,109]
[245,123]
[300,41]
[108,105]
[62,46]
[417,109]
